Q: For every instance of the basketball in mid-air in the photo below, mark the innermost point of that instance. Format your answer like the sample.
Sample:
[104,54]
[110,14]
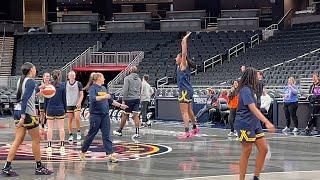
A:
[49,91]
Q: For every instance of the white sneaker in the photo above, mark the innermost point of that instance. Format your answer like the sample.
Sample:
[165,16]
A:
[136,136]
[49,151]
[117,133]
[295,130]
[231,134]
[286,129]
[78,136]
[70,138]
[236,134]
[62,150]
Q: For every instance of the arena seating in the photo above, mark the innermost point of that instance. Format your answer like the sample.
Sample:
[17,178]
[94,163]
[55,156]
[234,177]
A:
[48,51]
[7,100]
[300,68]
[51,51]
[285,45]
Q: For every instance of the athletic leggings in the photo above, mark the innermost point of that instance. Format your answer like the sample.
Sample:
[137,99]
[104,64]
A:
[231,118]
[290,111]
[313,119]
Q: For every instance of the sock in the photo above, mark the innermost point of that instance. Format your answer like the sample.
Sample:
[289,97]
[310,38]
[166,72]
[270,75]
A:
[70,134]
[62,143]
[137,130]
[39,164]
[186,129]
[255,177]
[42,125]
[194,126]
[120,130]
[79,131]
[49,143]
[7,165]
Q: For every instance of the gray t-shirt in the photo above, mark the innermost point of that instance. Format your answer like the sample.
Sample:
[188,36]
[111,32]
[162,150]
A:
[73,93]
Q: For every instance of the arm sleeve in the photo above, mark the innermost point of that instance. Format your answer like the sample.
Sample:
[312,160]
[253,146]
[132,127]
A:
[29,89]
[294,89]
[80,86]
[37,89]
[151,90]
[92,95]
[246,96]
[125,87]
[310,89]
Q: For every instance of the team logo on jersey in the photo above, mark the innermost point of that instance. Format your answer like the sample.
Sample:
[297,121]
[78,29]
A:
[126,151]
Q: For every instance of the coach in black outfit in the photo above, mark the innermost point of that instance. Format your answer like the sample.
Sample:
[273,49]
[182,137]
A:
[314,100]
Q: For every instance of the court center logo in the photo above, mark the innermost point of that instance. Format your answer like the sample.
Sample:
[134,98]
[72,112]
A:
[126,151]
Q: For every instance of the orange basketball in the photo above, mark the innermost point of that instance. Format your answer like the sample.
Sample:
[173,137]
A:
[49,91]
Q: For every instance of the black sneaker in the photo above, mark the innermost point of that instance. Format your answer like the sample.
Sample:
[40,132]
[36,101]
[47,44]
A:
[9,172]
[43,171]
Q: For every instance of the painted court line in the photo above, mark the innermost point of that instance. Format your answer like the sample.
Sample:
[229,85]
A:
[305,175]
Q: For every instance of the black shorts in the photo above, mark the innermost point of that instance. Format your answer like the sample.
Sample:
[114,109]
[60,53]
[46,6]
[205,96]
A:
[133,106]
[30,122]
[41,107]
[73,109]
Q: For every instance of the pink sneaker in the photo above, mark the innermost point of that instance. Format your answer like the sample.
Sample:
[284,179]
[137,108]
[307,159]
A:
[195,131]
[185,135]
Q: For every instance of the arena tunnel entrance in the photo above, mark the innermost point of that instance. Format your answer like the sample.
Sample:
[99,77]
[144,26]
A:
[109,72]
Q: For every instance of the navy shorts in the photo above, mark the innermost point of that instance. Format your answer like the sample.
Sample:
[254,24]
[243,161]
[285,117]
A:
[133,106]
[250,136]
[185,96]
[30,122]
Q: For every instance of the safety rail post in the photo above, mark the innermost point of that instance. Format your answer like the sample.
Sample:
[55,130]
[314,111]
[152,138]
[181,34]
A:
[212,61]
[235,49]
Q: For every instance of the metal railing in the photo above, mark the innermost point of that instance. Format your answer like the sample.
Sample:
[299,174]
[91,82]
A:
[254,39]
[114,84]
[110,58]
[235,49]
[163,81]
[80,61]
[212,61]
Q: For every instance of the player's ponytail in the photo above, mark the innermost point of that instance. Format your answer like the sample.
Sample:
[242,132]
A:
[25,69]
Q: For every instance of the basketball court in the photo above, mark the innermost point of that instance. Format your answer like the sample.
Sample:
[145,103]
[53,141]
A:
[159,154]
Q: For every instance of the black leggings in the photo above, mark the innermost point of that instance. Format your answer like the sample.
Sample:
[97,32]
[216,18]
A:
[290,111]
[231,118]
[313,118]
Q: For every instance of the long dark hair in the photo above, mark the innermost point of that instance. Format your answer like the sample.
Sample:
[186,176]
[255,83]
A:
[25,69]
[249,78]
[190,63]
[56,76]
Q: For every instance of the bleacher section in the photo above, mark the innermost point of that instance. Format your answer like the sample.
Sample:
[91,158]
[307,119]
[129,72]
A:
[51,51]
[48,51]
[285,45]
[299,68]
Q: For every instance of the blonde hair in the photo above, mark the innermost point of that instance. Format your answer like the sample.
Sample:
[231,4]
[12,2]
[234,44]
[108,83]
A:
[292,79]
[93,78]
